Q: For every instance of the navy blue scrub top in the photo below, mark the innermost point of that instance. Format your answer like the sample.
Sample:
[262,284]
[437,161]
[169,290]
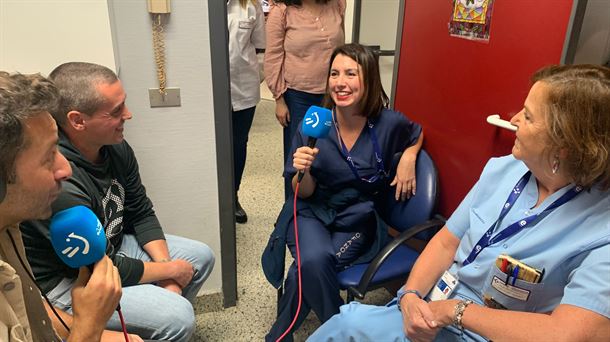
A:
[395,132]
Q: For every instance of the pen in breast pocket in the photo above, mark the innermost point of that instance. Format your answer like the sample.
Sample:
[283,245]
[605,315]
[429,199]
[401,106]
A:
[515,274]
[509,271]
[539,276]
[504,265]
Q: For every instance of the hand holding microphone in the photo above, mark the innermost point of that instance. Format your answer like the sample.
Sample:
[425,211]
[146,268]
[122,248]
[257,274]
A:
[303,158]
[79,240]
[95,296]
[316,124]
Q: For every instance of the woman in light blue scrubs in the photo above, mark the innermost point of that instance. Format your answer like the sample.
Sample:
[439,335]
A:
[546,206]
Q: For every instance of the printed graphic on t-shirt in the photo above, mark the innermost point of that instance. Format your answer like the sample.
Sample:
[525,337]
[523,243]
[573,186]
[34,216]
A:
[113,209]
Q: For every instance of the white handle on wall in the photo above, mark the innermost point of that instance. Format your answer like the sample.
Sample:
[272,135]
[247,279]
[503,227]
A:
[495,120]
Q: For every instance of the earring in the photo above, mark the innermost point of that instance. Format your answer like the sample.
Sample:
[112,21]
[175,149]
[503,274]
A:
[555,166]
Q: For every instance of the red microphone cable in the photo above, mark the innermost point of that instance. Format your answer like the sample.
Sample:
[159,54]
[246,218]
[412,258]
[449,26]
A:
[118,309]
[296,240]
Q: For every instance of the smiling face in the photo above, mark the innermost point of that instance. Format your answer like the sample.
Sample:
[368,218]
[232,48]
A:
[345,83]
[39,170]
[532,137]
[105,125]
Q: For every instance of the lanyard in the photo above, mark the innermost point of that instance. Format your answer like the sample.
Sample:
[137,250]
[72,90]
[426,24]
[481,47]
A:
[516,227]
[350,162]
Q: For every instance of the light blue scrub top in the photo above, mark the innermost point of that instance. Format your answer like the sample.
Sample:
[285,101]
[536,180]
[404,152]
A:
[572,243]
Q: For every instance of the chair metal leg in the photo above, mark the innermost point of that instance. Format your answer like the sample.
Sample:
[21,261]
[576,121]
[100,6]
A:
[350,297]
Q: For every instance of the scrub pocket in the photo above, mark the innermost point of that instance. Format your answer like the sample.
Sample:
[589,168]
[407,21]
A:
[273,259]
[500,294]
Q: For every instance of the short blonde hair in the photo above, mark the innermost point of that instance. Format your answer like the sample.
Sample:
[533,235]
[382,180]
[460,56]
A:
[578,118]
[244,3]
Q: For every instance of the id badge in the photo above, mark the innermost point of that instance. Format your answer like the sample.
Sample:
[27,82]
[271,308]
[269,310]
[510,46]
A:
[443,288]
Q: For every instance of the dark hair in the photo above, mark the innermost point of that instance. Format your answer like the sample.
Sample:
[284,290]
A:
[77,83]
[298,2]
[577,110]
[375,98]
[21,97]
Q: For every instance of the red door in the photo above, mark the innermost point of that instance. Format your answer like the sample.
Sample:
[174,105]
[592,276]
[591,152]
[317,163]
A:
[450,85]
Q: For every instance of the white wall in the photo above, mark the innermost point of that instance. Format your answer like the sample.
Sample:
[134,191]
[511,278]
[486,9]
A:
[36,36]
[349,20]
[176,146]
[378,25]
[594,42]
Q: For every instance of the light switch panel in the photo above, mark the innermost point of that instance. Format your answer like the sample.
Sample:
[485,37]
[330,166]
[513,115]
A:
[171,98]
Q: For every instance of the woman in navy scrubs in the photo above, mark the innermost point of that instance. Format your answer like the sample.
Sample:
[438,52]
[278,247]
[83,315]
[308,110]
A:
[338,225]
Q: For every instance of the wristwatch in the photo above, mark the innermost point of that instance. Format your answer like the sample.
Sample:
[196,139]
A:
[459,312]
[402,292]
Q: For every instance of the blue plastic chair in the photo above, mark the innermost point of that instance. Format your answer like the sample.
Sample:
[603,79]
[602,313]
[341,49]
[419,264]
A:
[413,218]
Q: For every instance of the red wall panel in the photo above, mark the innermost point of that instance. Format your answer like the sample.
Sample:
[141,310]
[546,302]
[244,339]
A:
[450,85]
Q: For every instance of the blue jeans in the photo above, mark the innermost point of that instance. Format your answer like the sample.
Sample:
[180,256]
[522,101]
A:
[151,311]
[298,103]
[242,121]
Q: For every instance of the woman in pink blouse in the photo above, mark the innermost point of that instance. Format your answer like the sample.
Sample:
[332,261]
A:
[301,35]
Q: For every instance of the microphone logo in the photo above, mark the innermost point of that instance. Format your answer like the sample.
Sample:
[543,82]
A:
[99,228]
[309,120]
[71,251]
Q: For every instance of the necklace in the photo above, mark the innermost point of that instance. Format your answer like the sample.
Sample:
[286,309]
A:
[314,10]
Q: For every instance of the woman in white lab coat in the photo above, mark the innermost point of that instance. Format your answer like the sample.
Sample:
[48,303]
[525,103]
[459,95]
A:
[246,24]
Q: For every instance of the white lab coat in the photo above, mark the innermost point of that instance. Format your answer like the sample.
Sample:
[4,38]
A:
[246,33]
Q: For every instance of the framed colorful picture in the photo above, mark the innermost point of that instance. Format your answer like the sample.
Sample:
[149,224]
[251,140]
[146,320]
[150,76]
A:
[471,19]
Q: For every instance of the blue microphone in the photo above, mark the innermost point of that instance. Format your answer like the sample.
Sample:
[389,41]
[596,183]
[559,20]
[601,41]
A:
[316,124]
[77,236]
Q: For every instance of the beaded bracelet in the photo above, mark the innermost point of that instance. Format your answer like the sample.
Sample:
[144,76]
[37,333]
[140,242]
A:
[459,312]
[402,292]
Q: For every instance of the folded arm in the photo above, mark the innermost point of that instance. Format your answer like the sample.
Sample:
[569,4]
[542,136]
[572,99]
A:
[173,275]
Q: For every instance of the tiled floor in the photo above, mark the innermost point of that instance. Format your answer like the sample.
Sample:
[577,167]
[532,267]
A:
[262,197]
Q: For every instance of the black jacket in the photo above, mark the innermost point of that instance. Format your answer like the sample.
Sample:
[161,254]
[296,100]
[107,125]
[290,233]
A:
[114,192]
